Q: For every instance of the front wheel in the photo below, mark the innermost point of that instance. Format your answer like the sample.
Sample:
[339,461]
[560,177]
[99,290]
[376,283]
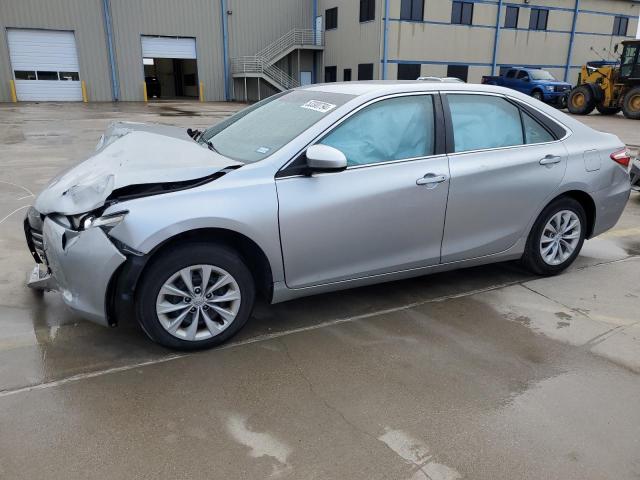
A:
[556,237]
[195,296]
[581,101]
[538,95]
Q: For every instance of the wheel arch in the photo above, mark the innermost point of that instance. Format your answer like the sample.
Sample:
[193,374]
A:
[586,201]
[121,291]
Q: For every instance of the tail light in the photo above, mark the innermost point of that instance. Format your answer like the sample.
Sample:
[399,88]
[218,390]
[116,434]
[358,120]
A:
[621,157]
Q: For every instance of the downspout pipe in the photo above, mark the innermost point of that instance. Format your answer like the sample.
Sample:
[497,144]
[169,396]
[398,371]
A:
[225,47]
[567,67]
[115,84]
[385,40]
[496,40]
[314,68]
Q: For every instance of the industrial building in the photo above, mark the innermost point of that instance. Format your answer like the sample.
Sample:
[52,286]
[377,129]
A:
[214,50]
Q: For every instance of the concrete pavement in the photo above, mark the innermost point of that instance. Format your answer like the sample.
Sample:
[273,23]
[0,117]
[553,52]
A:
[485,373]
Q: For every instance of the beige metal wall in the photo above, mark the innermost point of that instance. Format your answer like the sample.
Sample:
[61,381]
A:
[187,18]
[435,42]
[352,42]
[254,24]
[83,17]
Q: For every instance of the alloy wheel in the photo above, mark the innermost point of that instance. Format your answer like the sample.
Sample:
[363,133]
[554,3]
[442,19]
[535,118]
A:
[560,237]
[198,302]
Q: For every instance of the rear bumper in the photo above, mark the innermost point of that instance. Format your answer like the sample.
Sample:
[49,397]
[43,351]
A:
[610,203]
[80,266]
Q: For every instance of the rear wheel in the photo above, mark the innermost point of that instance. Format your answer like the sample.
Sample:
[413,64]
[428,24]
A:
[581,101]
[195,296]
[631,104]
[556,237]
[607,110]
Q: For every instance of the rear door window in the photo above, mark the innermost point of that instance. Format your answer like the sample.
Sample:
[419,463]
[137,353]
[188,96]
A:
[484,121]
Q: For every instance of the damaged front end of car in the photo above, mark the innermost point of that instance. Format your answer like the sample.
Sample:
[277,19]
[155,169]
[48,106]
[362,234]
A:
[67,229]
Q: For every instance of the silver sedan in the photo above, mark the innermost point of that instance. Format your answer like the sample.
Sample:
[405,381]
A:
[317,189]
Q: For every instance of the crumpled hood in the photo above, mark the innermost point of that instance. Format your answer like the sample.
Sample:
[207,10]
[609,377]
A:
[129,154]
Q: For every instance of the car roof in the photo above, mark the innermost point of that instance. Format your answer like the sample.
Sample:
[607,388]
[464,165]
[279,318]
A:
[384,87]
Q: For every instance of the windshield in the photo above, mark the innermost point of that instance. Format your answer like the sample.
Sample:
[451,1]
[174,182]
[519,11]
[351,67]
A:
[541,75]
[258,131]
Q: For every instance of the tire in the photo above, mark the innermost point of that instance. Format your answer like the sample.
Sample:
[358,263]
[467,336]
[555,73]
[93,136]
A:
[212,328]
[533,258]
[561,104]
[581,101]
[607,110]
[631,104]
[538,95]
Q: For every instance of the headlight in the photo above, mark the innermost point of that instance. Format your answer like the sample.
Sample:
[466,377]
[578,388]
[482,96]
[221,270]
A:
[549,88]
[106,221]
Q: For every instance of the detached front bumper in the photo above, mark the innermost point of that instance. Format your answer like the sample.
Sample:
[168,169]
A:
[79,264]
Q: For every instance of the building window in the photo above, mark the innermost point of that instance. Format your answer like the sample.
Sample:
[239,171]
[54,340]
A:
[511,17]
[331,18]
[538,19]
[25,75]
[330,74]
[365,71]
[412,10]
[408,71]
[462,13]
[46,75]
[346,75]
[367,10]
[458,71]
[620,25]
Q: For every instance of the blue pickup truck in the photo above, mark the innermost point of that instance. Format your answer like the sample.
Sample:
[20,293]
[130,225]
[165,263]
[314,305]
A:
[538,83]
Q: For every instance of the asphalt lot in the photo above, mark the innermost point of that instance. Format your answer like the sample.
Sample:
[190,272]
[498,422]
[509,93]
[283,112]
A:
[484,373]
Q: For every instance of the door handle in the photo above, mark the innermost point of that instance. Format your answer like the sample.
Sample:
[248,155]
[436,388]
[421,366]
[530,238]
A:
[550,160]
[431,179]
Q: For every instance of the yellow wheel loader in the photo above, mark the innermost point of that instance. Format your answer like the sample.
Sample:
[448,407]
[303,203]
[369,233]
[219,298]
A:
[610,86]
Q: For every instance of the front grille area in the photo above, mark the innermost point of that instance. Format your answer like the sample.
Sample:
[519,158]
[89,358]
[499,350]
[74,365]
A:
[560,88]
[33,234]
[36,238]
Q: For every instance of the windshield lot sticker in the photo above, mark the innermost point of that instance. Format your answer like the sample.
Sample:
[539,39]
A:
[262,149]
[319,106]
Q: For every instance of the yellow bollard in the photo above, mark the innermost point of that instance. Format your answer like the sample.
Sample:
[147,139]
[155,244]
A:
[84,91]
[201,91]
[14,97]
[144,91]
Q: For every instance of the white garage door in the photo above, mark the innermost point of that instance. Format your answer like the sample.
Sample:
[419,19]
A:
[168,47]
[45,65]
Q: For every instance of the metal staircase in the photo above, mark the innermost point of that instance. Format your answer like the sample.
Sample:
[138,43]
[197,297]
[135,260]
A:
[263,64]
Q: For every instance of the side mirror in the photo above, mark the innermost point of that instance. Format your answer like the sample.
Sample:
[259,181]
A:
[323,158]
